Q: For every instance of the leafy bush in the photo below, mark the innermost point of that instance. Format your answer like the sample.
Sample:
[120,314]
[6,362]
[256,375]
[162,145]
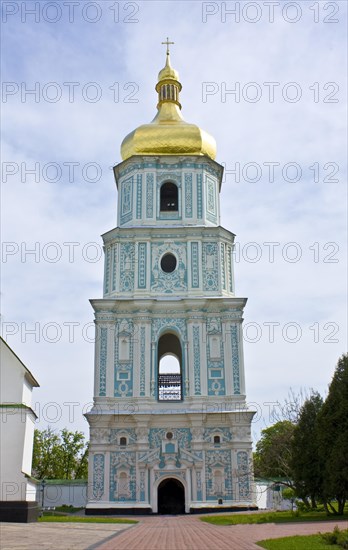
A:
[342,539]
[338,537]
[301,506]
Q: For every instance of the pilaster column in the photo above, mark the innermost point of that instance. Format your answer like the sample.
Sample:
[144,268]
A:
[187,378]
[153,368]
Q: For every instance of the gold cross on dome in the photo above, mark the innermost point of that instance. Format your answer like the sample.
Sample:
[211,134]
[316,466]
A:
[168,43]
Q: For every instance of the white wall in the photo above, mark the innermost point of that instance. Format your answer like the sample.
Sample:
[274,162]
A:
[11,376]
[28,444]
[261,495]
[65,493]
[26,393]
[32,493]
[13,422]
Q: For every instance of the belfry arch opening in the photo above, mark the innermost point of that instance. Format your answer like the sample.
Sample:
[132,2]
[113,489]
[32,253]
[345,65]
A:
[169,197]
[171,497]
[169,368]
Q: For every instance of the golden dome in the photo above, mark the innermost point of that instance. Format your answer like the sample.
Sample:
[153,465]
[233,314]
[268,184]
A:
[168,133]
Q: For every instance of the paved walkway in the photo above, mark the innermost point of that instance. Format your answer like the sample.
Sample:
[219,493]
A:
[151,533]
[57,536]
[189,533]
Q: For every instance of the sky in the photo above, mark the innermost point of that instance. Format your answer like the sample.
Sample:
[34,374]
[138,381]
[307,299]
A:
[268,81]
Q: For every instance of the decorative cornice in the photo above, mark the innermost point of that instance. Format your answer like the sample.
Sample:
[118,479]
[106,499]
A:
[185,307]
[141,163]
[185,233]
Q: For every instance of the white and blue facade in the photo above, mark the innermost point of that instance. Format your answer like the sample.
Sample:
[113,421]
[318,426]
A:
[172,442]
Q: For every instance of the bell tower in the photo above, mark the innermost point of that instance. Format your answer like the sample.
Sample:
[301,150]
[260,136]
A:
[169,429]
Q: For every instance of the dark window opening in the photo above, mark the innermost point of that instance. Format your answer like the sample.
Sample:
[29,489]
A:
[168,263]
[169,368]
[216,439]
[123,441]
[169,197]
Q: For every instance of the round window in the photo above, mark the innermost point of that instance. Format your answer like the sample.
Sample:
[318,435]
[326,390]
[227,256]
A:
[168,263]
[169,435]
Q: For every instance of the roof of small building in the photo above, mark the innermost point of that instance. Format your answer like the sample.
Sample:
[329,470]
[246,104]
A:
[65,481]
[28,375]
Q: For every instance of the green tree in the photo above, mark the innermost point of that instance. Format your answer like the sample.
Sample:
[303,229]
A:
[333,439]
[272,458]
[306,465]
[81,471]
[60,456]
[46,454]
[72,452]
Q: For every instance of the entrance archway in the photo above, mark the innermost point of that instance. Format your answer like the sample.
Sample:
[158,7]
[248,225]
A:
[171,497]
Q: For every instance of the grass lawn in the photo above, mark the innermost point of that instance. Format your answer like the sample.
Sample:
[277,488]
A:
[83,519]
[69,509]
[271,517]
[311,542]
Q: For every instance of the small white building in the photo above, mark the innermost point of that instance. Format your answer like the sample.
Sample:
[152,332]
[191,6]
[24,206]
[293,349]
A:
[65,492]
[269,495]
[17,488]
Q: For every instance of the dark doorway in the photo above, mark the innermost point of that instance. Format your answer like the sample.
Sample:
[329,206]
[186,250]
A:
[171,497]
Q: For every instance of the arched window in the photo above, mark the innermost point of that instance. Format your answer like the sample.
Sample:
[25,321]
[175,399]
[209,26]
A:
[169,368]
[169,197]
[123,441]
[217,440]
